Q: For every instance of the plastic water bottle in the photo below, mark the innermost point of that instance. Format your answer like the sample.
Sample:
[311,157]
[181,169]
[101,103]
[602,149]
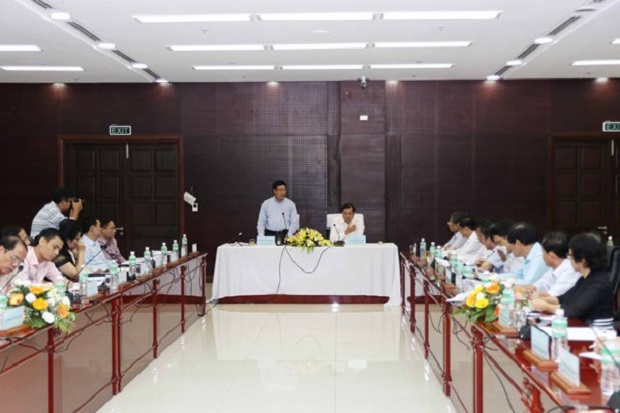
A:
[132,266]
[438,252]
[175,251]
[114,277]
[148,261]
[164,255]
[432,251]
[184,246]
[59,284]
[610,353]
[84,287]
[423,249]
[508,302]
[610,241]
[559,334]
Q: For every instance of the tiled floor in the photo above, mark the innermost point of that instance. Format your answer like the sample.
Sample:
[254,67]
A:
[289,358]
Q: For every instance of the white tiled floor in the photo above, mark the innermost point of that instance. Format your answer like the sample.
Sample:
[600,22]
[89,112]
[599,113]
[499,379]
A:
[289,358]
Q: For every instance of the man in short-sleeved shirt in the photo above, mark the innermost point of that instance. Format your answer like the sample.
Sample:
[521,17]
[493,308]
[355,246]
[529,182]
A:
[53,213]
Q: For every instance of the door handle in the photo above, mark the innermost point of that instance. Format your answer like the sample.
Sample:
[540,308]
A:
[121,230]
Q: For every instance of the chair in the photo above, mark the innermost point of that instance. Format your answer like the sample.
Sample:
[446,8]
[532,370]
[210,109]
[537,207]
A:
[332,217]
[614,271]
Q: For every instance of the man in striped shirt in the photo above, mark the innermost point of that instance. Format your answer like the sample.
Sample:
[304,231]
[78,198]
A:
[52,214]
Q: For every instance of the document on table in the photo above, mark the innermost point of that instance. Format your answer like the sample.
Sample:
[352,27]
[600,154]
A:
[576,333]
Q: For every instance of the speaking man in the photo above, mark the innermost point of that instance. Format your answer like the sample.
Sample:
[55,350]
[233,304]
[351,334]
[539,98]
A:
[278,214]
[347,224]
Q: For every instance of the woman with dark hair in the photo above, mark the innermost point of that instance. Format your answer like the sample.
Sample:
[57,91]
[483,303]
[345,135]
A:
[591,299]
[70,259]
[38,265]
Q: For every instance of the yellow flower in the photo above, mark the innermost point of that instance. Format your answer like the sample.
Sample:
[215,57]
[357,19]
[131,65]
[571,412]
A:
[36,289]
[478,289]
[482,303]
[16,299]
[471,300]
[39,304]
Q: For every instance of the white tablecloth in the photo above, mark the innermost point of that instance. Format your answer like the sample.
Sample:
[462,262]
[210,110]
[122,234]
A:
[370,269]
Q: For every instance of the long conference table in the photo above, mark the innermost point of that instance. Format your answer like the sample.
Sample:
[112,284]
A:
[243,273]
[481,369]
[116,336]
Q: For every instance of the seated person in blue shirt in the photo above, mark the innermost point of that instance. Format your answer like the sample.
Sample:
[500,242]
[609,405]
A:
[523,242]
[278,214]
[457,239]
[591,298]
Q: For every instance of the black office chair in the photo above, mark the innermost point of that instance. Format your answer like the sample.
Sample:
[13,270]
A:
[613,267]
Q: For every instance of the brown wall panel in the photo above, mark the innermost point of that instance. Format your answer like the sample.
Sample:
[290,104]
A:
[428,148]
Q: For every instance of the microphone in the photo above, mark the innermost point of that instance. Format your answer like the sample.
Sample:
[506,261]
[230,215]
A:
[19,269]
[285,226]
[103,247]
[338,243]
[235,240]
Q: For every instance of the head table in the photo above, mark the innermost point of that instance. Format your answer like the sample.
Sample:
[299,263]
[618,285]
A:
[353,270]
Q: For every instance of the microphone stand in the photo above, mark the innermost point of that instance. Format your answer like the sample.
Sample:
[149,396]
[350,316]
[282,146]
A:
[338,243]
[69,293]
[21,268]
[236,239]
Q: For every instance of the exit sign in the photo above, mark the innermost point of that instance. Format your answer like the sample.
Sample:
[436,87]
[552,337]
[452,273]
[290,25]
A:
[609,126]
[116,130]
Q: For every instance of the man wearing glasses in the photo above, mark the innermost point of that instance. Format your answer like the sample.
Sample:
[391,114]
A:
[12,254]
[107,238]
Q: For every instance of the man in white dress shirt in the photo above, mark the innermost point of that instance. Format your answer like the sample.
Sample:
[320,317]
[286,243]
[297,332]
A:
[94,258]
[346,224]
[468,225]
[457,239]
[561,276]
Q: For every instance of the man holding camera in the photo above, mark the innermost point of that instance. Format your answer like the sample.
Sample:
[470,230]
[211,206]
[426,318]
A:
[51,215]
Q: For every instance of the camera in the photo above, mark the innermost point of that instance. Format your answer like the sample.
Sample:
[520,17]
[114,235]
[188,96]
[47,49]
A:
[76,199]
[363,82]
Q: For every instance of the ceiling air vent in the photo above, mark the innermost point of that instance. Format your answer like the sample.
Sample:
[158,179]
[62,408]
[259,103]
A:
[123,56]
[564,25]
[528,51]
[84,31]
[151,73]
[502,70]
[43,4]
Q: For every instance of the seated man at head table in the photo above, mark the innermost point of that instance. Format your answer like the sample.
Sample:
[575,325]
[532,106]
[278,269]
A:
[38,265]
[508,261]
[346,224]
[94,258]
[457,239]
[278,214]
[490,259]
[523,241]
[591,298]
[471,246]
[17,231]
[53,213]
[12,255]
[561,276]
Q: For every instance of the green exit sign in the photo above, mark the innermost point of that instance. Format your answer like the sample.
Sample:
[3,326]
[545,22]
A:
[609,126]
[122,130]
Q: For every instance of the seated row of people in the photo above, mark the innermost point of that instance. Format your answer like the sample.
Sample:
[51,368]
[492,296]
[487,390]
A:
[556,272]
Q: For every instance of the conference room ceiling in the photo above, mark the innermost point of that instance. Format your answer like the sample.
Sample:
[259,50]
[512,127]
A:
[579,30]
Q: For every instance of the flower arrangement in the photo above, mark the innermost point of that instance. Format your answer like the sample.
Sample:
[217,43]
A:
[482,302]
[307,239]
[43,306]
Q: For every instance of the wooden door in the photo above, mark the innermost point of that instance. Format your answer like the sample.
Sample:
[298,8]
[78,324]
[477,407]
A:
[585,186]
[135,184]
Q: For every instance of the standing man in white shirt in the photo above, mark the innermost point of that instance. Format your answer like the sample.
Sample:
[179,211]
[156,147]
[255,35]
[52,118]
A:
[278,214]
[52,214]
[347,224]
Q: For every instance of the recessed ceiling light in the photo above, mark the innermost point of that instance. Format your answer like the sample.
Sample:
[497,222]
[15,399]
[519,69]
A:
[42,68]
[322,67]
[422,44]
[516,62]
[106,46]
[19,48]
[190,18]
[139,65]
[413,66]
[602,62]
[162,80]
[442,15]
[616,41]
[320,46]
[543,40]
[60,16]
[216,47]
[315,16]
[601,79]
[493,77]
[234,67]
